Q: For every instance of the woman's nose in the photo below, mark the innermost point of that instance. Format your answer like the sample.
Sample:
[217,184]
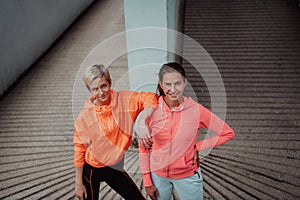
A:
[173,88]
[100,91]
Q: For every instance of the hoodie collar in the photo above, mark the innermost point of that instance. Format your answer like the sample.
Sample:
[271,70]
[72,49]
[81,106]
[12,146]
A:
[165,108]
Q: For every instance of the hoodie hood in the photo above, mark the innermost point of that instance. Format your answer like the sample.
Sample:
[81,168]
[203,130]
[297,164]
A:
[187,103]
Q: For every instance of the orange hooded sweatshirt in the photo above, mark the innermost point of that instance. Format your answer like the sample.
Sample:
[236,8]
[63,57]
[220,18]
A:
[103,133]
[174,135]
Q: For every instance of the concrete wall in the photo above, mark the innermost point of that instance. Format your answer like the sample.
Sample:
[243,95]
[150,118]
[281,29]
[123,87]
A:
[144,63]
[28,28]
[140,14]
[175,21]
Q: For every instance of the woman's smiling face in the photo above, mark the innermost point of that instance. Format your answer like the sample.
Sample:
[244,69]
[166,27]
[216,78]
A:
[100,89]
[173,85]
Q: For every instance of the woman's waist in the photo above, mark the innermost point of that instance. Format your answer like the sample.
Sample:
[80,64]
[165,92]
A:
[101,159]
[97,165]
[176,172]
[179,161]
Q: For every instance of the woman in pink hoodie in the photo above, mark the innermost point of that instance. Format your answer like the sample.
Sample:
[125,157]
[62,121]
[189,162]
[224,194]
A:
[174,127]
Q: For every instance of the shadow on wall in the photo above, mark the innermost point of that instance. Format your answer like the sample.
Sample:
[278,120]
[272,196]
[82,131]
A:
[28,29]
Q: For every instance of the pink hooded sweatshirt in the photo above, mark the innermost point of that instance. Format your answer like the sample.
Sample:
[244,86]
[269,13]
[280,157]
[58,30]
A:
[174,134]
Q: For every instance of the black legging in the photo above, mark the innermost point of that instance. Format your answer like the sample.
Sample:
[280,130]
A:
[118,180]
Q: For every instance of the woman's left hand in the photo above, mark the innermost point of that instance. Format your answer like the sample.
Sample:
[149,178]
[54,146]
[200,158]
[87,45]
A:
[152,192]
[146,142]
[143,130]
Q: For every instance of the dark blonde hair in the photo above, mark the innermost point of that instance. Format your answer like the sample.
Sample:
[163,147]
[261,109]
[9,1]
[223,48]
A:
[95,71]
[168,68]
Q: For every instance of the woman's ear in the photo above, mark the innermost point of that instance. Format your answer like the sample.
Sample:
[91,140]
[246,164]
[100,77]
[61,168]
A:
[88,87]
[160,84]
[185,82]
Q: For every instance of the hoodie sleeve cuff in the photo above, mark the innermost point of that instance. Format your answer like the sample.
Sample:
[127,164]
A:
[147,180]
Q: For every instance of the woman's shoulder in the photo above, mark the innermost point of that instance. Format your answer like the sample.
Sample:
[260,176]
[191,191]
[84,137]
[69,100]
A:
[190,102]
[85,110]
[123,92]
[129,93]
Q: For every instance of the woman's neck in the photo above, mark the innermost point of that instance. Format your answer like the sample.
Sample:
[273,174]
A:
[173,104]
[101,103]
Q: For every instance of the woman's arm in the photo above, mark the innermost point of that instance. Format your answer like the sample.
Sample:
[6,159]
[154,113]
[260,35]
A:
[144,162]
[79,159]
[80,191]
[148,101]
[223,132]
[143,130]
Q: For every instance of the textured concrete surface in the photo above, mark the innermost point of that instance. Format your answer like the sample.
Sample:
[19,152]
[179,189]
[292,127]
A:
[36,119]
[255,45]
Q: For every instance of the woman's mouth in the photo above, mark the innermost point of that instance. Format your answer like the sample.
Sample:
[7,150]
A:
[174,95]
[102,97]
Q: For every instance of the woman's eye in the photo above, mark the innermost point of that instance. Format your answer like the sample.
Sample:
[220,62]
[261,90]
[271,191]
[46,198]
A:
[103,87]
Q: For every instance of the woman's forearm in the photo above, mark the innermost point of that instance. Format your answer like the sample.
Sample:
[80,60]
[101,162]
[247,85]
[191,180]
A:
[143,130]
[78,175]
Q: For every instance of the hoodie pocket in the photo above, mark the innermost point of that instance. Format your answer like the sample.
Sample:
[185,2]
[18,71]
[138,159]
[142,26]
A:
[178,165]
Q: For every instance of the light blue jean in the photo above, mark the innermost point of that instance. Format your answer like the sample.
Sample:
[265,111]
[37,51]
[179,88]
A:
[189,188]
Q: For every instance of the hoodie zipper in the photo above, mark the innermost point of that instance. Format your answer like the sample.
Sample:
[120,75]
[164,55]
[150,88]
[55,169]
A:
[169,164]
[171,134]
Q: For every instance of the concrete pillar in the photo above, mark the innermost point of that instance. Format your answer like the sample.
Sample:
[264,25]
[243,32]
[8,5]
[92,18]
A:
[143,63]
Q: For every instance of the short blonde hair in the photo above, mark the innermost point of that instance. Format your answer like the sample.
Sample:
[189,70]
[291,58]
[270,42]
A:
[95,71]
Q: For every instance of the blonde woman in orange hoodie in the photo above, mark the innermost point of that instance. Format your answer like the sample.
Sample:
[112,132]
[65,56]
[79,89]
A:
[103,133]
[174,127]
